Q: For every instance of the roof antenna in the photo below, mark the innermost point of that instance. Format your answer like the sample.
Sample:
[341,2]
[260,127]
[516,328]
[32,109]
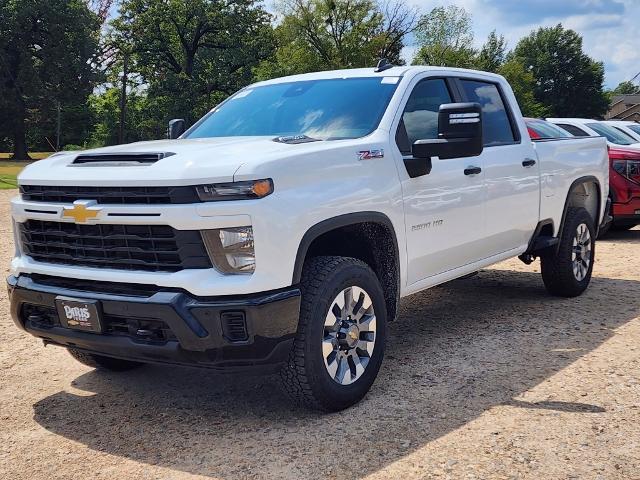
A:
[383,65]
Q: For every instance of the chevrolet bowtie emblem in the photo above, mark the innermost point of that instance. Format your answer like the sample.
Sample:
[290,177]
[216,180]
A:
[81,211]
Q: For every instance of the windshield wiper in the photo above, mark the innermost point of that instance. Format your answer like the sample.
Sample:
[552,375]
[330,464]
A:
[295,139]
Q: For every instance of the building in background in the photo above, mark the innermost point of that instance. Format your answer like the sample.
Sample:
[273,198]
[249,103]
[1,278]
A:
[625,107]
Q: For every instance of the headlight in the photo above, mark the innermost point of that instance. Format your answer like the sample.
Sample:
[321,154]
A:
[235,190]
[231,249]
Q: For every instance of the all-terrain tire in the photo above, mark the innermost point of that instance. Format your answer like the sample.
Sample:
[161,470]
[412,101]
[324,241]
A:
[102,362]
[558,265]
[305,377]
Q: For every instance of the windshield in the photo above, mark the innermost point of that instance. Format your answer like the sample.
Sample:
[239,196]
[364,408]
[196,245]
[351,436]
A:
[321,109]
[546,129]
[611,134]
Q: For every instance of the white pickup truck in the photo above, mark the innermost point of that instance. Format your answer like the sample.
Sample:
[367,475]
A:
[279,232]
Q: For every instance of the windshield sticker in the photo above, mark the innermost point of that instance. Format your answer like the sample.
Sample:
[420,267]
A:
[370,154]
[391,80]
[241,94]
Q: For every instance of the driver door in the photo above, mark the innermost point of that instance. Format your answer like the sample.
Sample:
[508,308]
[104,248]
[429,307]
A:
[444,209]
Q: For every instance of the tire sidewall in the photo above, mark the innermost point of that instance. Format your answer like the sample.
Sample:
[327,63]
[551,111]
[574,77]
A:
[332,393]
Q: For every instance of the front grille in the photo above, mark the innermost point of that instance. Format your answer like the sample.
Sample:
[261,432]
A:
[155,248]
[140,329]
[110,195]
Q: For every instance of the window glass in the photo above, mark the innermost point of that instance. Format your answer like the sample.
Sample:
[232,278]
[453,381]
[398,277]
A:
[634,128]
[573,130]
[323,109]
[611,134]
[420,115]
[496,127]
[546,129]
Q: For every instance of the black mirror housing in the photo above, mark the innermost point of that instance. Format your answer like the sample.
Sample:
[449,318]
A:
[459,133]
[176,128]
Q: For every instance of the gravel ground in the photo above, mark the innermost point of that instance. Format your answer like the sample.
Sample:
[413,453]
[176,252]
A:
[484,378]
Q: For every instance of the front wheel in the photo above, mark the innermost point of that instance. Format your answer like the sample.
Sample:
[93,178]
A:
[341,334]
[567,271]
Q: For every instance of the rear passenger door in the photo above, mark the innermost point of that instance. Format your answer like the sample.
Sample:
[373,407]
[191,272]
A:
[510,167]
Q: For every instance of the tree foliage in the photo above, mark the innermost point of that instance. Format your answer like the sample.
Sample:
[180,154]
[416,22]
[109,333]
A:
[567,81]
[332,34]
[523,83]
[445,38]
[493,53]
[626,88]
[46,53]
[194,53]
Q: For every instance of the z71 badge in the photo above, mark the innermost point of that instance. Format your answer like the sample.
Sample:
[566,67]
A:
[370,154]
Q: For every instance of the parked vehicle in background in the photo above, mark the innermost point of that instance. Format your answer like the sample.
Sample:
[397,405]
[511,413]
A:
[541,129]
[280,231]
[584,127]
[630,128]
[624,187]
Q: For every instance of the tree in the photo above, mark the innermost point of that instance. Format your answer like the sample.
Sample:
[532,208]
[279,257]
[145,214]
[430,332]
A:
[444,37]
[46,53]
[626,88]
[493,53]
[567,81]
[332,34]
[523,83]
[194,53]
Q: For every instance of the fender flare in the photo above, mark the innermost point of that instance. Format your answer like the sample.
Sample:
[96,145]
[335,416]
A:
[337,222]
[577,181]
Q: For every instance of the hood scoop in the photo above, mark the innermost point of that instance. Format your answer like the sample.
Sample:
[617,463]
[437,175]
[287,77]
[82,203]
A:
[119,159]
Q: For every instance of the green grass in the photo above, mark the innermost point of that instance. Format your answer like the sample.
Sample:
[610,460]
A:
[10,170]
[33,155]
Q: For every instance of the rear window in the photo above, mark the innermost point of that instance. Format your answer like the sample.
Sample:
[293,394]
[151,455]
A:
[612,134]
[546,129]
[496,127]
[573,130]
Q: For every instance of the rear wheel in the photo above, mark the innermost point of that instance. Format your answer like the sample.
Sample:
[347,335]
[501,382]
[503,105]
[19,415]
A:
[567,271]
[341,335]
[100,361]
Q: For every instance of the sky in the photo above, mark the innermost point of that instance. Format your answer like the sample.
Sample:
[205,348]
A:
[609,27]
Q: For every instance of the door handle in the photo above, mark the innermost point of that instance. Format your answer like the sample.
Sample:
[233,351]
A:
[472,170]
[528,162]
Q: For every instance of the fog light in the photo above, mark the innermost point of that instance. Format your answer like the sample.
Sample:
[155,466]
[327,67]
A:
[231,249]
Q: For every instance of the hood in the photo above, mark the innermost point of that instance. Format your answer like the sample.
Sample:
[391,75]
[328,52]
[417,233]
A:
[190,161]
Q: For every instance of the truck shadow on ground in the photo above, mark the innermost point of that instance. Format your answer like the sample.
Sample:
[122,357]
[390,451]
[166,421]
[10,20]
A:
[456,351]
[622,236]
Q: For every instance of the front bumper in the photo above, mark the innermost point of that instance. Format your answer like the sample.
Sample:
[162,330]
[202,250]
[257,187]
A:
[188,330]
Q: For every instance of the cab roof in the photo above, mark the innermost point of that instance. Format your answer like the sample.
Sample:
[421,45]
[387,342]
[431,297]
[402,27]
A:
[370,72]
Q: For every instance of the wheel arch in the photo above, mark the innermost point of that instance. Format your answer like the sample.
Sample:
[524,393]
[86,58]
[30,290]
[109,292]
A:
[577,199]
[367,236]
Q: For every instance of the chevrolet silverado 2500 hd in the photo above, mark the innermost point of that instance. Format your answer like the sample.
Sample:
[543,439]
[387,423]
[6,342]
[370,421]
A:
[279,232]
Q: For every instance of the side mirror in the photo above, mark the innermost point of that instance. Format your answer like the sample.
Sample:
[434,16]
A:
[176,128]
[459,136]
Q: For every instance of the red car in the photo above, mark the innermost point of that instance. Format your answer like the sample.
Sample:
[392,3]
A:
[624,175]
[624,187]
